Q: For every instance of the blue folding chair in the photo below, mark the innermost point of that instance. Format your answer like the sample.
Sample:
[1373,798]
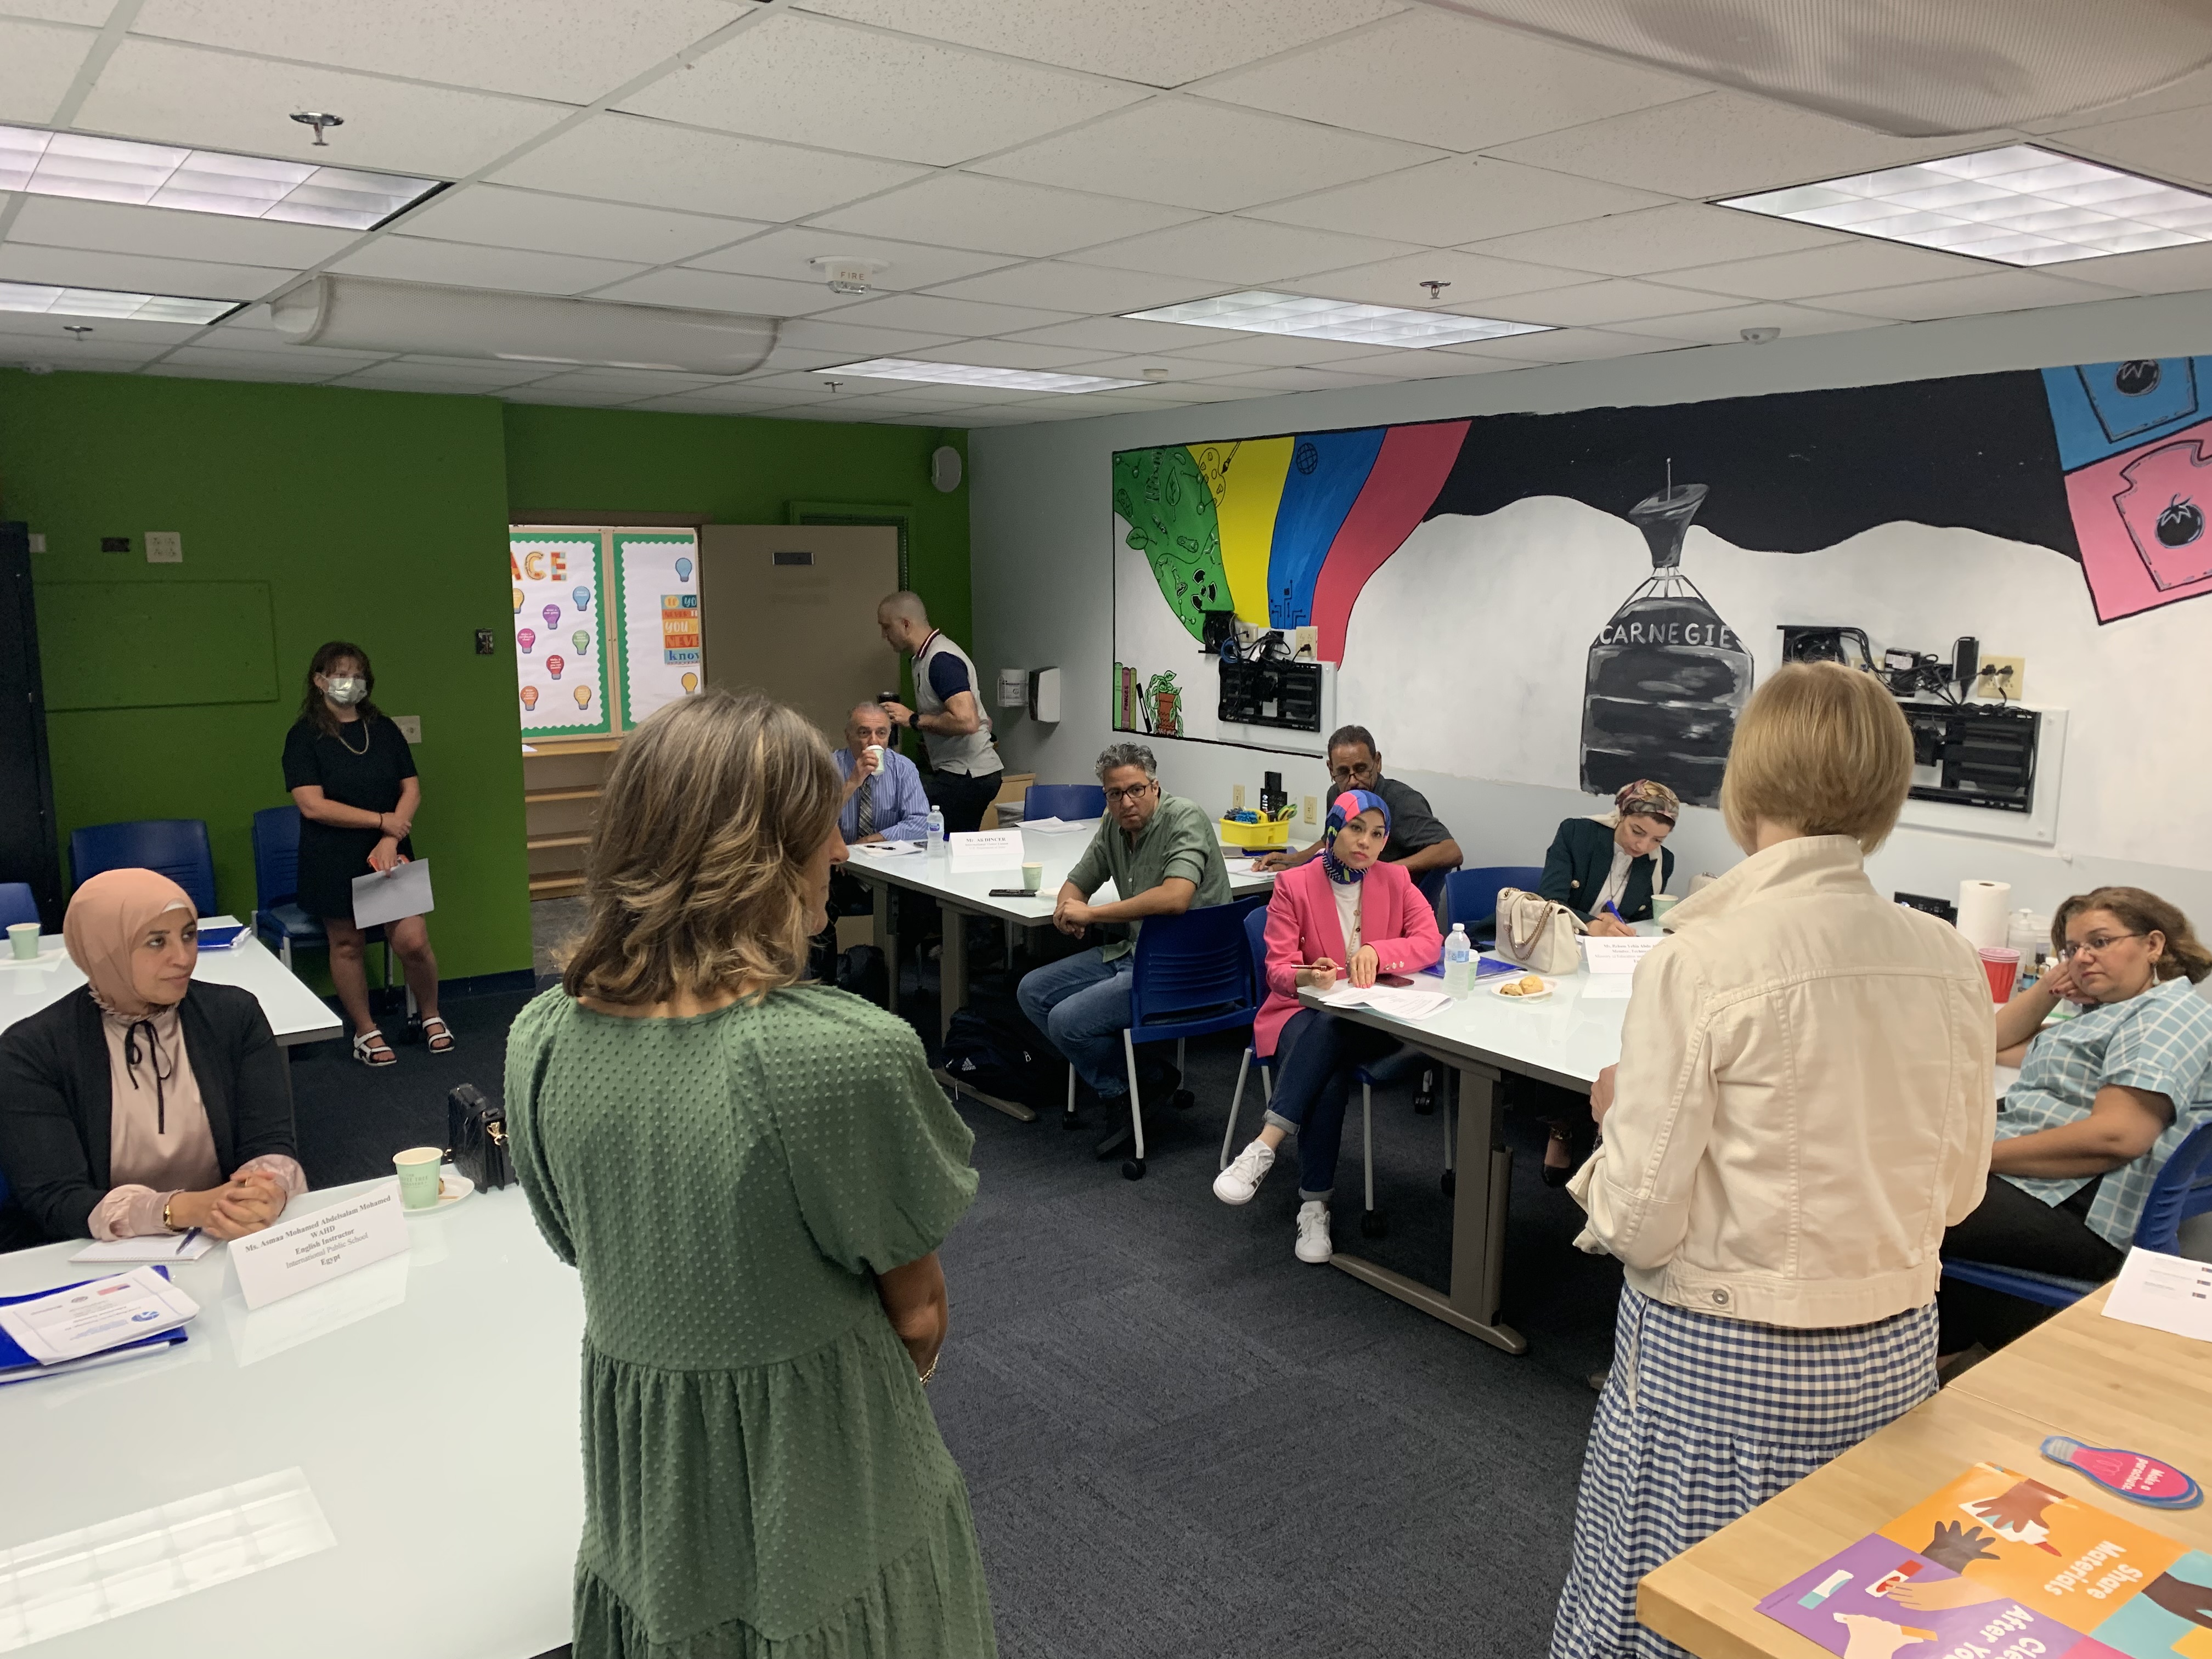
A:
[1471,897]
[17,903]
[1192,978]
[277,918]
[1063,801]
[177,847]
[2182,1189]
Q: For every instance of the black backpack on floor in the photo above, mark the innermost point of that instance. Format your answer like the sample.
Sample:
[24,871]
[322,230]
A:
[1002,1057]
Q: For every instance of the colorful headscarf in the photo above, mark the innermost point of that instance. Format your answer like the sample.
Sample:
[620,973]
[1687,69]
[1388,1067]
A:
[1341,811]
[1646,799]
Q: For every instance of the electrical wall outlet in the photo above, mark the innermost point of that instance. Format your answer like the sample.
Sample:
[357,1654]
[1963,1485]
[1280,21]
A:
[2002,677]
[1312,802]
[411,726]
[485,647]
[1235,797]
[165,547]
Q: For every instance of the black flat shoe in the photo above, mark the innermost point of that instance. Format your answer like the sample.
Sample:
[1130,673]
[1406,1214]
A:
[1560,1174]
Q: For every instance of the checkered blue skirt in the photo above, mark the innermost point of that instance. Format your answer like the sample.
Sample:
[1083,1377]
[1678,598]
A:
[1704,1418]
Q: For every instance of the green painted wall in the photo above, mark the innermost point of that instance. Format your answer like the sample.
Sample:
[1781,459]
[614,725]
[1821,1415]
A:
[381,517]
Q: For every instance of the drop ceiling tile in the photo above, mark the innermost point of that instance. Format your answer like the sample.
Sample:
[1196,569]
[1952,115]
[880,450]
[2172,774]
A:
[1252,253]
[572,49]
[1614,299]
[403,375]
[247,365]
[1273,350]
[1859,263]
[714,401]
[967,210]
[91,357]
[20,262]
[1176,371]
[1724,144]
[2187,93]
[1158,42]
[1292,379]
[1062,285]
[1559,345]
[625,159]
[1433,78]
[811,81]
[1469,278]
[791,384]
[1188,153]
[419,259]
[1172,393]
[564,397]
[1007,354]
[1460,199]
[1658,239]
[1725,327]
[1120,334]
[47,326]
[626,382]
[1964,296]
[963,319]
[718,291]
[497,215]
[91,13]
[42,61]
[1420,365]
[787,253]
[2160,270]
[181,95]
[2177,145]
[120,227]
[807,343]
[233,336]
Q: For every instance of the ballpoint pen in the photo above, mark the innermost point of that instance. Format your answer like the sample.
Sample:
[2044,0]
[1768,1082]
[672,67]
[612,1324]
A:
[190,1233]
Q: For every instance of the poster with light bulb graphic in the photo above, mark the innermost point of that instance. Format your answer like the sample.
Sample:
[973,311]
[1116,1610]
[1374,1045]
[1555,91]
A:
[556,582]
[657,605]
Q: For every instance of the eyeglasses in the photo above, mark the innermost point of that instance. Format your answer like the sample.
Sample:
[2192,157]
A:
[1135,792]
[2095,947]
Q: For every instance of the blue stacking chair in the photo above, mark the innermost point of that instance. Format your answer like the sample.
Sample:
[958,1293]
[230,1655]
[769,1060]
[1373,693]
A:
[279,920]
[1471,897]
[17,903]
[1063,800]
[2182,1189]
[178,847]
[1193,976]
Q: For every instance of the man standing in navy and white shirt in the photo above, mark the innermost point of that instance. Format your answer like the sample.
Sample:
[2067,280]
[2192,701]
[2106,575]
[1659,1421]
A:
[964,765]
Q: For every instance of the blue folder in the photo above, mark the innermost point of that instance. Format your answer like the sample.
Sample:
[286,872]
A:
[17,1366]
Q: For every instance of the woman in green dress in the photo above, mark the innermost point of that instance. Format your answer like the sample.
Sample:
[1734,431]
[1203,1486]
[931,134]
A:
[753,1176]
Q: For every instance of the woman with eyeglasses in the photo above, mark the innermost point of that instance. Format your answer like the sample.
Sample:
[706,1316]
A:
[2103,1100]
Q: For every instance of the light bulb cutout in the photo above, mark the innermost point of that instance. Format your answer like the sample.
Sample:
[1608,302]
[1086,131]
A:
[552,615]
[525,638]
[583,696]
[581,641]
[518,601]
[583,598]
[530,697]
[554,666]
[691,681]
[684,571]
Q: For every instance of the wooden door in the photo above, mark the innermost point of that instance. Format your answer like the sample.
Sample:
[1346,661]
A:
[792,609]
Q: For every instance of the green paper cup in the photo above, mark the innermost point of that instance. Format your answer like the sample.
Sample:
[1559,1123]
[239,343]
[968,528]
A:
[1032,877]
[23,940]
[418,1176]
[1662,903]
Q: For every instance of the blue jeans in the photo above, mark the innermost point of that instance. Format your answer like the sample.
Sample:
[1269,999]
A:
[1083,1006]
[1315,1058]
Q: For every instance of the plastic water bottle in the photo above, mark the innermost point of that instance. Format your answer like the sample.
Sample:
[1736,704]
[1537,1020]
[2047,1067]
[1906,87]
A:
[1458,962]
[936,841]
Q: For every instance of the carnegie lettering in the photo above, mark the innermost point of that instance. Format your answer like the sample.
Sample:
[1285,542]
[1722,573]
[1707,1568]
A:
[1716,634]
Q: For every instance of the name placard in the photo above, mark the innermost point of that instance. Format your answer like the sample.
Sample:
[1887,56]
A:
[301,1252]
[1615,954]
[986,849]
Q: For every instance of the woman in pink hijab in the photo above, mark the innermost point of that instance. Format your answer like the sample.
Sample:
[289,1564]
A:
[145,1101]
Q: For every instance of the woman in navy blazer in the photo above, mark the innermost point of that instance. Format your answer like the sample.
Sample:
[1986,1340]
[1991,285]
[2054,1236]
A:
[1614,856]
[1340,916]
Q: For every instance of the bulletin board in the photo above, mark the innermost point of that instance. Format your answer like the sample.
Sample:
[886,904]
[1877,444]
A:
[559,663]
[656,601]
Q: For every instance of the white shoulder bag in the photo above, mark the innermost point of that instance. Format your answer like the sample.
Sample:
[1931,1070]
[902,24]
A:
[1537,933]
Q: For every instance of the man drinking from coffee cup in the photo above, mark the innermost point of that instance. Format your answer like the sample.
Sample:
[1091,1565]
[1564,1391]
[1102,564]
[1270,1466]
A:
[884,801]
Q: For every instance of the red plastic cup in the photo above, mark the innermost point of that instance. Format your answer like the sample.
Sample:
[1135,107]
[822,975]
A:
[2002,964]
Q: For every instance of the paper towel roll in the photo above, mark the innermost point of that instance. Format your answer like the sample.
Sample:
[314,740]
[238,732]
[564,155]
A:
[1982,915]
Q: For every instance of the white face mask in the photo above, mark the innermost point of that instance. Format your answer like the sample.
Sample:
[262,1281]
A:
[345,690]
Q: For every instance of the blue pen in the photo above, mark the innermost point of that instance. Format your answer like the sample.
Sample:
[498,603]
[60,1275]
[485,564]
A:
[190,1233]
[1615,913]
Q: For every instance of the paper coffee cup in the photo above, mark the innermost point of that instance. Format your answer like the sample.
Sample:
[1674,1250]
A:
[877,750]
[2002,964]
[1032,877]
[23,940]
[417,1169]
[1662,903]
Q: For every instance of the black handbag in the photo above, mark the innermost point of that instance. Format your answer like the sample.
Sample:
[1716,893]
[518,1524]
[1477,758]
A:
[477,1131]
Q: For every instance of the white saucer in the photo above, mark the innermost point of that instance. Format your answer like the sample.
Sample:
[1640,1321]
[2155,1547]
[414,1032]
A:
[454,1188]
[1544,995]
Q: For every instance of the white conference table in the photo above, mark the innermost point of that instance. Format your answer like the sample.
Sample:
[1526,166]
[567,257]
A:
[296,1013]
[968,892]
[387,1464]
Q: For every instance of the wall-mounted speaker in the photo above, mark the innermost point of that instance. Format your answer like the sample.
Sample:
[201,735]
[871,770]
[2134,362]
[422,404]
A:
[944,469]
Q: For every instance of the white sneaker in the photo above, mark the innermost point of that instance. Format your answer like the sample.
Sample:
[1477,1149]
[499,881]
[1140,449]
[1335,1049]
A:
[1236,1183]
[1314,1243]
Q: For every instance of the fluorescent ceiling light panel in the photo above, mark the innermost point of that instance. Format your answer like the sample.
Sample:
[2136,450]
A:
[1258,311]
[105,302]
[2020,205]
[201,180]
[1009,379]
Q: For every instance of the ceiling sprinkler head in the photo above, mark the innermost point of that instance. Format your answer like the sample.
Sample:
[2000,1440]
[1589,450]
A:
[833,385]
[1155,373]
[321,122]
[1760,336]
[80,330]
[848,274]
[1435,289]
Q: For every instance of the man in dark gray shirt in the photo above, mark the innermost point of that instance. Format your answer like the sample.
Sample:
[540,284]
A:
[1418,841]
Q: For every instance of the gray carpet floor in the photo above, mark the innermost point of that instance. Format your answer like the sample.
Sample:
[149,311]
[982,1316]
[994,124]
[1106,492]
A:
[1180,1440]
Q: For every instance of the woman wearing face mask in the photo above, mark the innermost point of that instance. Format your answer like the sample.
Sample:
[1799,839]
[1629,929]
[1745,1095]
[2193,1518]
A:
[145,1101]
[354,778]
[2102,1102]
[1340,916]
[1614,858]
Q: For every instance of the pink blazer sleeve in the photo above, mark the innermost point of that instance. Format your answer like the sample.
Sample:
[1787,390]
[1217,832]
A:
[1285,937]
[1417,944]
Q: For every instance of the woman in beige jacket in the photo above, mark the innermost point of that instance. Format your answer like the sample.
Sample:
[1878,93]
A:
[1804,1102]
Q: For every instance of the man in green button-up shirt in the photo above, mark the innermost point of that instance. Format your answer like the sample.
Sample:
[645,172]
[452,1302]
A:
[1163,857]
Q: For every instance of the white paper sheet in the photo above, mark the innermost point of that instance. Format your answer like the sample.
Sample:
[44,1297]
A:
[1607,987]
[1401,1002]
[153,1246]
[405,891]
[986,849]
[1049,825]
[1616,956]
[2166,1292]
[103,1314]
[885,849]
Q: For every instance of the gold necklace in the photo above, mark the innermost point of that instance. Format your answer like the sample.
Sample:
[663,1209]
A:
[368,737]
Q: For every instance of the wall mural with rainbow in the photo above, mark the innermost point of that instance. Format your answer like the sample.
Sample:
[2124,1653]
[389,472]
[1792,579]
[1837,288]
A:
[1564,600]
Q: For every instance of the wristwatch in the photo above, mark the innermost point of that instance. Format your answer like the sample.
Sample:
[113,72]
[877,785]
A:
[168,1225]
[914,720]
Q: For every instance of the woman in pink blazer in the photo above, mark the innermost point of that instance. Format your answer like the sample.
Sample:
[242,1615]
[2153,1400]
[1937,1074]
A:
[1340,916]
